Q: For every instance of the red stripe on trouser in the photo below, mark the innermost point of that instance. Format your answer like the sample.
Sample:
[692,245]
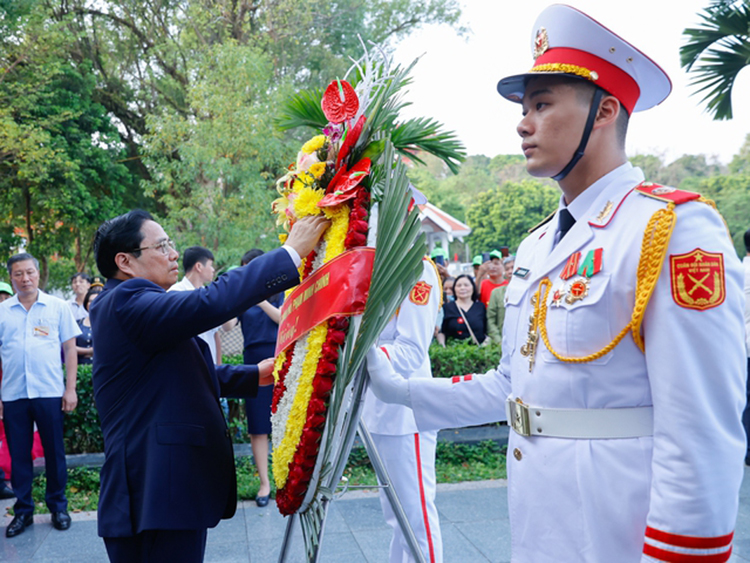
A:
[673,557]
[694,542]
[422,498]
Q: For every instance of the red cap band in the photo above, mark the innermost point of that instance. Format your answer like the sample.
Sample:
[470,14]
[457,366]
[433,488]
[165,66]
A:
[585,65]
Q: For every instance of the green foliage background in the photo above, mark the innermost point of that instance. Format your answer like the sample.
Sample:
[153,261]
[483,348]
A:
[107,105]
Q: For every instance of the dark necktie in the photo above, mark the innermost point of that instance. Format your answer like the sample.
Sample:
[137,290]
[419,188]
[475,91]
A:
[566,221]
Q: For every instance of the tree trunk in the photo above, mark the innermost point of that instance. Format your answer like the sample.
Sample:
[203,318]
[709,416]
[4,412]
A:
[43,271]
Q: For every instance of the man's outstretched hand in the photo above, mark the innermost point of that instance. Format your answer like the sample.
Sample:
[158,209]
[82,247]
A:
[306,233]
[265,372]
[387,385]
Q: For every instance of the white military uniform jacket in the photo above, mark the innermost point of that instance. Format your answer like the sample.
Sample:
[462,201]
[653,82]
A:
[615,500]
[406,340]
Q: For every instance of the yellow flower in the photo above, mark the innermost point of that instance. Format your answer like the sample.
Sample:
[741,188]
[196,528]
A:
[306,202]
[277,365]
[283,237]
[318,169]
[314,144]
[284,453]
[336,233]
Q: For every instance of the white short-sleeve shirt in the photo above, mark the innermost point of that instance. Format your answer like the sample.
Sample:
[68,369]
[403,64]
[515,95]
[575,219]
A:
[30,346]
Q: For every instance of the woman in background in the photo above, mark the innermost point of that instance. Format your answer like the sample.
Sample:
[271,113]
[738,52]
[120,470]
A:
[466,317]
[260,325]
[84,342]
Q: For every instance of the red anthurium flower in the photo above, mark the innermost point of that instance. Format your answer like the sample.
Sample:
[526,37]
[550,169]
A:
[339,101]
[351,139]
[343,186]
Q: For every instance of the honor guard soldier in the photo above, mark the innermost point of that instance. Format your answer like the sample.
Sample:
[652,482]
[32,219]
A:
[408,453]
[623,368]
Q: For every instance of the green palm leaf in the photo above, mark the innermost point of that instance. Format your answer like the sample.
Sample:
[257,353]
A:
[408,138]
[426,135]
[716,51]
[302,110]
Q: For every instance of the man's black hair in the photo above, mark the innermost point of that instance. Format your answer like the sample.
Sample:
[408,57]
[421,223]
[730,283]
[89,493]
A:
[193,255]
[20,257]
[250,255]
[83,275]
[747,240]
[121,234]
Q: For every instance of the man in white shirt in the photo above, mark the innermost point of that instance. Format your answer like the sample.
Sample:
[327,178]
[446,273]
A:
[33,326]
[198,263]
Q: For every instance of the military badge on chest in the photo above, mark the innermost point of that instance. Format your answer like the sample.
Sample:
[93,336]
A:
[575,280]
[575,277]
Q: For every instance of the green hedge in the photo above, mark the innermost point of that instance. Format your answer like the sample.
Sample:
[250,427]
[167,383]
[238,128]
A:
[83,432]
[462,357]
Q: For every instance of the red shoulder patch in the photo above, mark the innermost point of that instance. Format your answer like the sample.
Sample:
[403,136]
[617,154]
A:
[420,293]
[698,279]
[665,193]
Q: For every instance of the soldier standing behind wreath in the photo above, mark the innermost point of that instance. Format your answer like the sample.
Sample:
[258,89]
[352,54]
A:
[623,360]
[408,454]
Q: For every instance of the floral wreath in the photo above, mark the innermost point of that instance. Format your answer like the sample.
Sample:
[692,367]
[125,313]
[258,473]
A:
[351,174]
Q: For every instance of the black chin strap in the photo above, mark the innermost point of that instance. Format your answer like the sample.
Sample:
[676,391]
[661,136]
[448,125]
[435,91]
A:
[585,138]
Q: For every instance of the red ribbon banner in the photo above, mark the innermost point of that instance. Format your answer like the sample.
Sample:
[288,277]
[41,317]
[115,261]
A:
[339,288]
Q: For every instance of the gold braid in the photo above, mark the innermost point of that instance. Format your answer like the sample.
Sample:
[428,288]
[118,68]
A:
[653,252]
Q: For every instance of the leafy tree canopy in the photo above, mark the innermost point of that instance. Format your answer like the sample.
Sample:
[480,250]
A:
[61,170]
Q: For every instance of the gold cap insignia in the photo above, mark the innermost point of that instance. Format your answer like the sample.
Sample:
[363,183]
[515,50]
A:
[541,43]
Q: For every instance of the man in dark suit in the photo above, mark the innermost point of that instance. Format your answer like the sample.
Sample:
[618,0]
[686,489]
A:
[169,471]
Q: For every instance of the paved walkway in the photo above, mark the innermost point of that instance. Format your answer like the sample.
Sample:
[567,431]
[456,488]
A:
[474,523]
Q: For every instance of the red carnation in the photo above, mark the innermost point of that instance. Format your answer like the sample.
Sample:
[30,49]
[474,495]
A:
[298,475]
[309,449]
[330,352]
[336,336]
[325,368]
[355,239]
[278,392]
[322,385]
[358,214]
[315,420]
[339,101]
[358,226]
[339,323]
[316,406]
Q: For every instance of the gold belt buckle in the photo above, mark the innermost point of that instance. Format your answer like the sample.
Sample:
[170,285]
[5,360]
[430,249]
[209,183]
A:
[518,417]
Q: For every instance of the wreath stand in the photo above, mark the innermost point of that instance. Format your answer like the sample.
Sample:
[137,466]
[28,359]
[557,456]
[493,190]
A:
[385,484]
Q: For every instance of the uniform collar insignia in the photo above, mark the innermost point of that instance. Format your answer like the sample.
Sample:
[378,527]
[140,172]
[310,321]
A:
[604,213]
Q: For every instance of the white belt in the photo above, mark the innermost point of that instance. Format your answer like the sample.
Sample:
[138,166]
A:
[591,424]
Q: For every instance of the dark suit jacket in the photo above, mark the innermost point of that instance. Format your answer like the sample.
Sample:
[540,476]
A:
[168,454]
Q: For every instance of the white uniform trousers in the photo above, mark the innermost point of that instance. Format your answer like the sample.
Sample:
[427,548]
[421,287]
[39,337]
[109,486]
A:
[410,462]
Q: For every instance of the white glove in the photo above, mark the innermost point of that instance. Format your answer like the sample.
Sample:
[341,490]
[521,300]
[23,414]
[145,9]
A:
[387,385]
